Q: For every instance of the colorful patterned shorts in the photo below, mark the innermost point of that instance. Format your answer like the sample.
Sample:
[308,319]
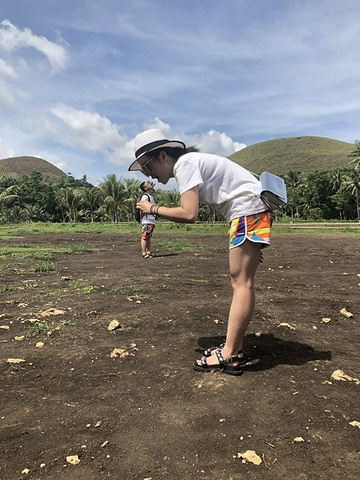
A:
[147,230]
[255,228]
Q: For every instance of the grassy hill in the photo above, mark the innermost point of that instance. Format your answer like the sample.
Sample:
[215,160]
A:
[301,154]
[279,156]
[18,166]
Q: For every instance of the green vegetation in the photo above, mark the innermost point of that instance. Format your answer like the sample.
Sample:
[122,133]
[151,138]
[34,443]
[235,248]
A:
[41,264]
[42,257]
[134,292]
[38,327]
[178,245]
[44,267]
[5,266]
[29,284]
[42,326]
[81,288]
[282,225]
[5,288]
[76,286]
[322,178]
[39,253]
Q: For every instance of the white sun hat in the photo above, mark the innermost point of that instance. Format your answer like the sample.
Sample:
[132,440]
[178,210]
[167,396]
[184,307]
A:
[148,141]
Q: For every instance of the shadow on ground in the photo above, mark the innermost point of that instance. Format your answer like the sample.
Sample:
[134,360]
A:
[267,351]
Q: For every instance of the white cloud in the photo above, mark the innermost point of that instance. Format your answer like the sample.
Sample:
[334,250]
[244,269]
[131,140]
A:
[6,96]
[218,142]
[122,156]
[157,123]
[13,38]
[247,73]
[90,131]
[6,69]
[5,151]
[208,142]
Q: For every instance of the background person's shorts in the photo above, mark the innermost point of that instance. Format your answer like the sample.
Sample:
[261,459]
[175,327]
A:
[147,230]
[255,228]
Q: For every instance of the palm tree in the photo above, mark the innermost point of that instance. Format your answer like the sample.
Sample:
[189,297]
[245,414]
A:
[337,178]
[8,194]
[34,213]
[60,197]
[92,197]
[356,155]
[114,195]
[70,200]
[352,185]
[132,194]
[170,198]
[294,185]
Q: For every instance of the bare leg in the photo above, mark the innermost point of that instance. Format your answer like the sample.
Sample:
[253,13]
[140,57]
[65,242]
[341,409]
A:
[243,261]
[143,246]
[148,241]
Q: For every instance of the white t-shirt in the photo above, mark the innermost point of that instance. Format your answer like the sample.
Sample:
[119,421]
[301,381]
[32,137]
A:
[232,189]
[148,218]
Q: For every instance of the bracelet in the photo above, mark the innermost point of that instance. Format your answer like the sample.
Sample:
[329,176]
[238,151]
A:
[154,209]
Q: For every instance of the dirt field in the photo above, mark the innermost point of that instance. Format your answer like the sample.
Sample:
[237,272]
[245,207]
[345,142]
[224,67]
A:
[144,413]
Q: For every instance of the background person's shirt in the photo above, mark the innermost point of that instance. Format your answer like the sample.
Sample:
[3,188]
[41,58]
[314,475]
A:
[148,218]
[232,189]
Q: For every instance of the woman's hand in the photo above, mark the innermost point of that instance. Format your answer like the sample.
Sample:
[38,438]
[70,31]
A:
[144,206]
[187,212]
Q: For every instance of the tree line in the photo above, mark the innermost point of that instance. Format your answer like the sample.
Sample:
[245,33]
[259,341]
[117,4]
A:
[325,195]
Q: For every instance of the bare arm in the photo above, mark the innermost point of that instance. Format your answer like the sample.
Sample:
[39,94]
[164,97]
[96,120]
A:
[187,212]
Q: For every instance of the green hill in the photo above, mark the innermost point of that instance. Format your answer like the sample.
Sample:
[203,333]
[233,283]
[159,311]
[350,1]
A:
[300,154]
[18,166]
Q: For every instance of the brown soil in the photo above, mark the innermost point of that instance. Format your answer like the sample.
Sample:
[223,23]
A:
[145,414]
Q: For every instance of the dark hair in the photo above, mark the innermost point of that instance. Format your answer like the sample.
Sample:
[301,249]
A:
[142,186]
[174,152]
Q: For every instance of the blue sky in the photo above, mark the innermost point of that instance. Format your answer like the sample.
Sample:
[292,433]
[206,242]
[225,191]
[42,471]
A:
[79,79]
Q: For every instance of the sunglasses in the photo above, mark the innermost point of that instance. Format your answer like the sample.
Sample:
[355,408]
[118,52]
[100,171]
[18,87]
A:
[144,168]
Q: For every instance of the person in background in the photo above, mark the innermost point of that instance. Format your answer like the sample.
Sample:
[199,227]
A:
[235,192]
[148,221]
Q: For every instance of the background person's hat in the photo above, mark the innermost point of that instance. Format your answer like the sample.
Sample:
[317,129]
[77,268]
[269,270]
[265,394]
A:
[150,140]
